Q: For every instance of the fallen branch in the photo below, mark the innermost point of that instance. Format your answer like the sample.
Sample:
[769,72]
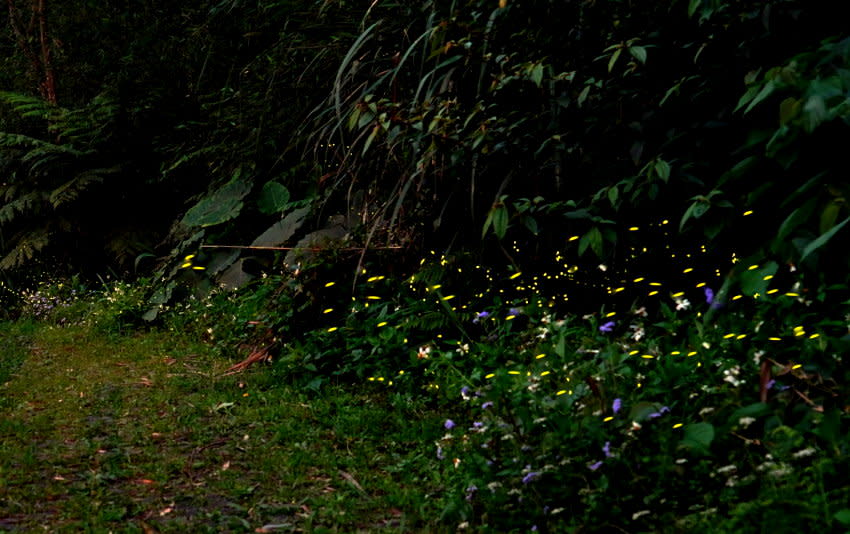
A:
[259,355]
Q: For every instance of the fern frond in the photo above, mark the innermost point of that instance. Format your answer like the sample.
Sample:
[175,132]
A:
[71,189]
[24,204]
[26,247]
[27,106]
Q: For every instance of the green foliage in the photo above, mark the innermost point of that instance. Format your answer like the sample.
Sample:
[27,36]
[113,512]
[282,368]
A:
[61,181]
[219,206]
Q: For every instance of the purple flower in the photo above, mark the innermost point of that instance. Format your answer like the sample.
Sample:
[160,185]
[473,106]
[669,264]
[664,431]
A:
[481,315]
[486,405]
[607,449]
[607,327]
[618,403]
[440,455]
[514,311]
[770,384]
[595,466]
[709,295]
[659,413]
[477,424]
[533,475]
[470,492]
[449,424]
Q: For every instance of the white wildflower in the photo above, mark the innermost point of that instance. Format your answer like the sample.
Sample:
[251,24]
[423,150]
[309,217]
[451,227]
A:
[746,421]
[639,514]
[682,304]
[639,333]
[780,472]
[803,453]
[727,469]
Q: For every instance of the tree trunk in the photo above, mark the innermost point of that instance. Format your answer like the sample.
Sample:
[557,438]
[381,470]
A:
[41,65]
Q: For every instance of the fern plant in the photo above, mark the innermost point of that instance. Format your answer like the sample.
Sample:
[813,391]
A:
[58,167]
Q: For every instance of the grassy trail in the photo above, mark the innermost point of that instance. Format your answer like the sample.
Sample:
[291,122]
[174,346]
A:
[144,434]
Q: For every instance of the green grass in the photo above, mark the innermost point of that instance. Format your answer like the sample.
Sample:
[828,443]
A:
[144,433]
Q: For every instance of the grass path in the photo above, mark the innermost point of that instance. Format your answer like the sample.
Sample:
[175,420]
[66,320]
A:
[144,434]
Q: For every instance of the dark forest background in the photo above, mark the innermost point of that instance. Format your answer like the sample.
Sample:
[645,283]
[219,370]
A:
[135,132]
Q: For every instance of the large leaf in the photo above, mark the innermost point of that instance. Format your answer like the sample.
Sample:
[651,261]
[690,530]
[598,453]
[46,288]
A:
[822,240]
[698,437]
[274,198]
[234,277]
[281,231]
[221,205]
[753,281]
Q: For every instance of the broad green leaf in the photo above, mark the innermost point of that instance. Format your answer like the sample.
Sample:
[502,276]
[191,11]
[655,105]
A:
[536,75]
[843,517]
[500,221]
[283,230]
[669,93]
[531,223]
[788,110]
[662,170]
[613,60]
[765,92]
[353,119]
[581,213]
[583,243]
[753,282]
[829,215]
[592,239]
[219,206]
[613,195]
[638,52]
[698,437]
[747,97]
[560,347]
[583,95]
[795,219]
[274,198]
[234,277]
[365,118]
[487,223]
[371,138]
[688,214]
[693,6]
[822,240]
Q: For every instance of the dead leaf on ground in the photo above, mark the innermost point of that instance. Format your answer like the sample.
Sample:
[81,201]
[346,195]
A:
[351,480]
[272,527]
